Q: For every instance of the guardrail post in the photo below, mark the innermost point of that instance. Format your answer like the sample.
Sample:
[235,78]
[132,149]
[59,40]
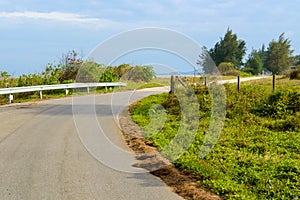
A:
[106,87]
[41,94]
[10,98]
[67,91]
[88,90]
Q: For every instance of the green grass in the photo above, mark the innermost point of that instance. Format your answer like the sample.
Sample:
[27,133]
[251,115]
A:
[258,153]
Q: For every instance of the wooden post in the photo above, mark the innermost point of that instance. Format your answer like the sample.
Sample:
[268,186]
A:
[205,80]
[172,89]
[274,82]
[238,83]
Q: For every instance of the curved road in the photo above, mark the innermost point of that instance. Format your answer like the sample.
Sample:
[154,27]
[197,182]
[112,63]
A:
[42,157]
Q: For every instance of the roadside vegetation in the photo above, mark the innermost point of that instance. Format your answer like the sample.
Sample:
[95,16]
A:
[257,155]
[74,69]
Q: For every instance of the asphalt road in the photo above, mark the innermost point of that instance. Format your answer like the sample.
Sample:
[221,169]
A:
[47,152]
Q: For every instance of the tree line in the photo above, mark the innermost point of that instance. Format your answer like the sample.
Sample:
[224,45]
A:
[73,68]
[228,55]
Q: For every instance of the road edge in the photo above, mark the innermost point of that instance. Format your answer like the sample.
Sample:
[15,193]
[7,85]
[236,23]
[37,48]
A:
[184,184]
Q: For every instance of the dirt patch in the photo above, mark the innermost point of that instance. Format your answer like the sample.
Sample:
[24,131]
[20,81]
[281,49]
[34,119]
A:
[183,184]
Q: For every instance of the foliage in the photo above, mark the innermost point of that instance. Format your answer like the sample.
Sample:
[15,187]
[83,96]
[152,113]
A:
[4,74]
[280,104]
[70,64]
[108,75]
[51,75]
[263,55]
[295,60]
[254,64]
[89,72]
[206,63]
[140,73]
[279,55]
[295,74]
[227,69]
[257,155]
[229,49]
[122,70]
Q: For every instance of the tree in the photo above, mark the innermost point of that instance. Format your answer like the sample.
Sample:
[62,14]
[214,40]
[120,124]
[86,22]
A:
[229,49]
[279,55]
[50,75]
[122,70]
[254,63]
[227,69]
[70,65]
[206,62]
[108,75]
[263,54]
[141,73]
[4,74]
[296,61]
[90,72]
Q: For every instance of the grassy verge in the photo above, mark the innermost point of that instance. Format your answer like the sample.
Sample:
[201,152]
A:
[258,153]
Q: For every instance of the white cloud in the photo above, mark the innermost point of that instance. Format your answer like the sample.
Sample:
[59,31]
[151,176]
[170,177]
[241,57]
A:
[56,16]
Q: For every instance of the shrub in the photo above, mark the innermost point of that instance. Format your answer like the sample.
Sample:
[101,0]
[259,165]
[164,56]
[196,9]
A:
[227,69]
[279,104]
[295,74]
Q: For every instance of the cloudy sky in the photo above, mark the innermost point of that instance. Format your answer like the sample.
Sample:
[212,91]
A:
[35,32]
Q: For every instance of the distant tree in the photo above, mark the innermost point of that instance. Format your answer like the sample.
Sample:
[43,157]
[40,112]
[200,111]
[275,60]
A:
[5,79]
[4,74]
[90,72]
[263,54]
[254,63]
[206,63]
[227,69]
[51,74]
[279,55]
[296,60]
[108,75]
[122,70]
[70,63]
[141,73]
[229,49]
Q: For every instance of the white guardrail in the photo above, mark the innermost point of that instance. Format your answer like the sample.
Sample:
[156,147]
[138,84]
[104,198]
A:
[41,88]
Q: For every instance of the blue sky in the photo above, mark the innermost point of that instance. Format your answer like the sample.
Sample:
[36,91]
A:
[35,32]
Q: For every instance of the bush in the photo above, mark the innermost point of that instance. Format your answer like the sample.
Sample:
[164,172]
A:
[280,104]
[227,69]
[295,74]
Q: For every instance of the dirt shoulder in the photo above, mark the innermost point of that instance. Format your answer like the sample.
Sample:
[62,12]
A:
[183,184]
